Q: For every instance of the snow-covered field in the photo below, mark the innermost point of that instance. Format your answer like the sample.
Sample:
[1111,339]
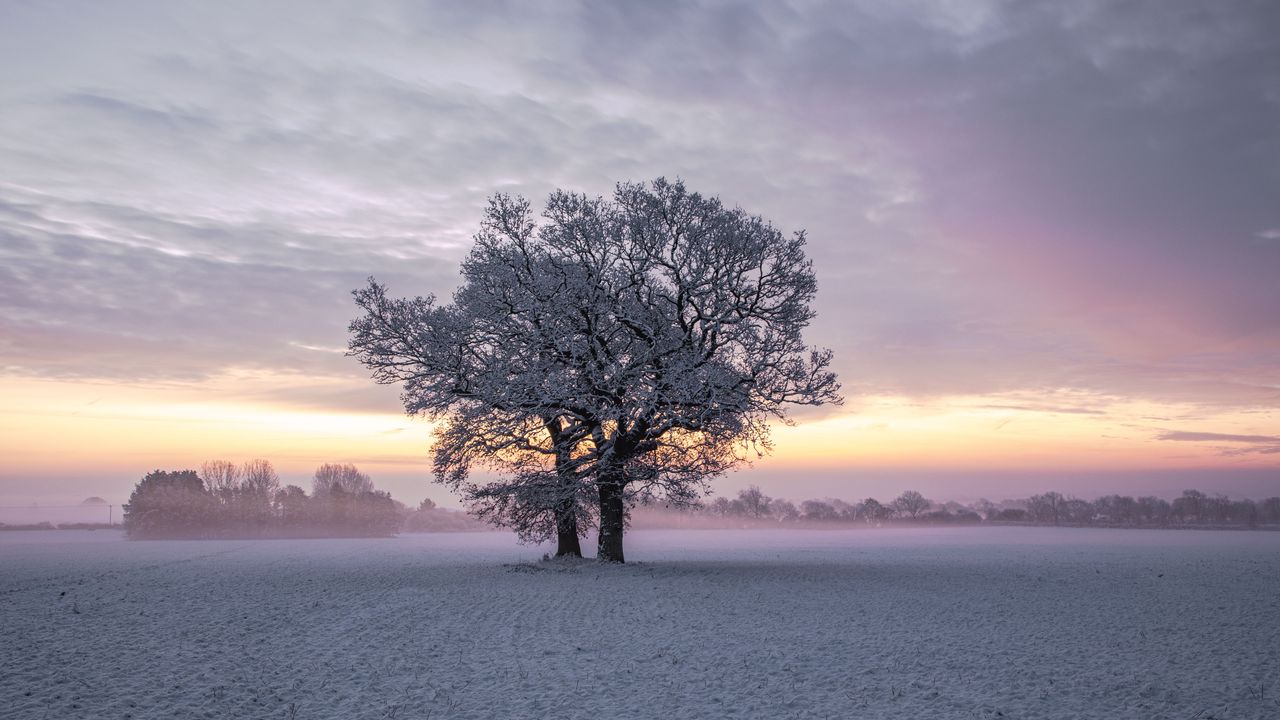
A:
[948,623]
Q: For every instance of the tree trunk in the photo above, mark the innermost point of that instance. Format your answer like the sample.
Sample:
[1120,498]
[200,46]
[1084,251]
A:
[567,543]
[612,520]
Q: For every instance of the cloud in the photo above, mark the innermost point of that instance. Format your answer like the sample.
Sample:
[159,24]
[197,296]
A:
[1046,409]
[1179,435]
[79,305]
[1000,197]
[1252,444]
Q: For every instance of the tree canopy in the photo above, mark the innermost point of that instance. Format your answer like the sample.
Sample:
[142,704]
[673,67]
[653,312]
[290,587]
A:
[612,350]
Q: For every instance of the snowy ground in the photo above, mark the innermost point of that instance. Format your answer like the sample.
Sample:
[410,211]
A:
[949,623]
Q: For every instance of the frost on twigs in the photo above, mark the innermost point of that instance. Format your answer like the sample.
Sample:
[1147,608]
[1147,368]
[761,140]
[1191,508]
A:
[609,351]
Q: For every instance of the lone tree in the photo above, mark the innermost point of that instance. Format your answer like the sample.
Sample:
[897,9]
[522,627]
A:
[619,350]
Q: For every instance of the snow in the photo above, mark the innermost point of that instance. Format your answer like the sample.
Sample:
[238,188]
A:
[945,623]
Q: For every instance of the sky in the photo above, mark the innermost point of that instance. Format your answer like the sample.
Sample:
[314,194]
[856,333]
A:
[1046,234]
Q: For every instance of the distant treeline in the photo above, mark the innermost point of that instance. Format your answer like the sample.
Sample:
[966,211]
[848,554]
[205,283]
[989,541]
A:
[1192,509]
[225,500]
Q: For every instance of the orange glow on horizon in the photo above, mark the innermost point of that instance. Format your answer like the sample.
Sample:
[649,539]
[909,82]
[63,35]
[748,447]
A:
[95,426]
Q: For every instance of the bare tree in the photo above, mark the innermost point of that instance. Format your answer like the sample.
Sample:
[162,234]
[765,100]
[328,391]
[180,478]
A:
[259,478]
[754,503]
[1244,511]
[911,504]
[343,477]
[1047,507]
[1270,509]
[818,511]
[1078,511]
[872,512]
[259,484]
[1190,507]
[1116,509]
[222,478]
[659,331]
[784,510]
[1153,510]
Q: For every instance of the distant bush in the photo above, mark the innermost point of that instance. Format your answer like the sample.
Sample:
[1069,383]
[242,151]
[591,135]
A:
[169,505]
[429,518]
[946,516]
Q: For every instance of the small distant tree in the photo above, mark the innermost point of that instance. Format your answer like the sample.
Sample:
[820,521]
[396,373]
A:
[1245,512]
[344,500]
[1270,510]
[1046,508]
[818,511]
[844,511]
[911,504]
[1077,511]
[374,515]
[986,508]
[343,477]
[938,516]
[1010,514]
[1152,510]
[294,507]
[168,505]
[259,484]
[1217,509]
[719,507]
[1116,510]
[1190,506]
[872,512]
[221,478]
[784,511]
[755,504]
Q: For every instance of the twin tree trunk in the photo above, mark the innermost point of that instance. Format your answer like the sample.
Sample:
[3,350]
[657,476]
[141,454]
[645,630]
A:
[566,510]
[613,515]
[612,525]
[567,543]
[613,510]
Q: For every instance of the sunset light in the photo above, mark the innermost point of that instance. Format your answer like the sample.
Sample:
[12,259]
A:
[1051,267]
[635,359]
